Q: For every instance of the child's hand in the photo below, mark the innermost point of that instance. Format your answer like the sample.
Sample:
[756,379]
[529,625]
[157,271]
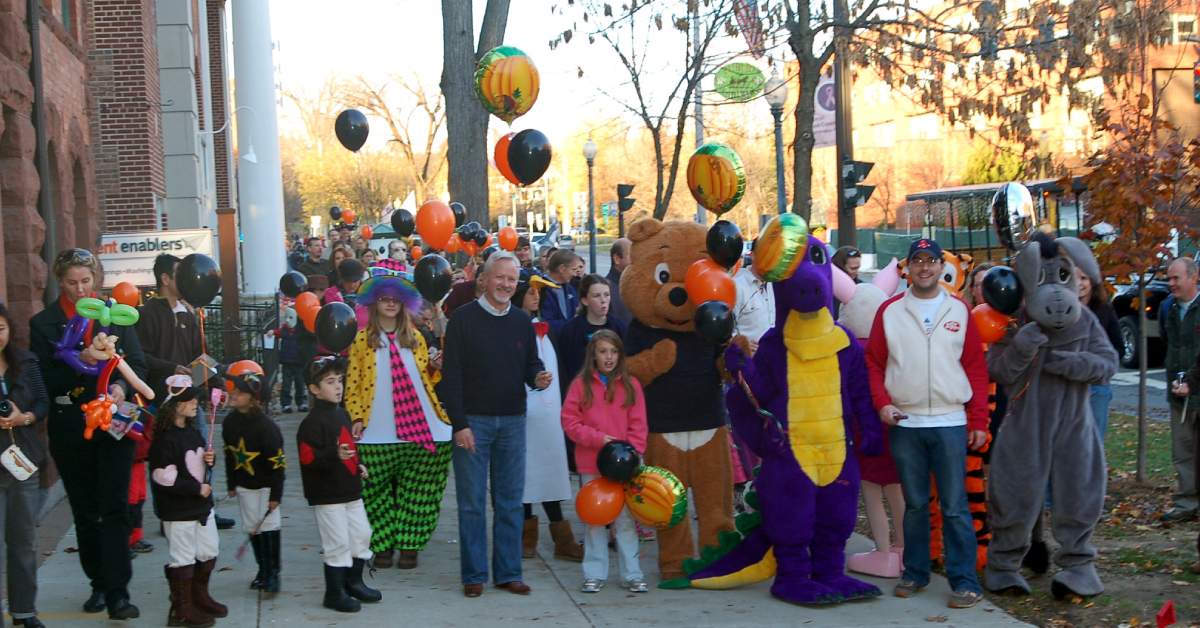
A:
[272,506]
[344,451]
[362,471]
[356,430]
[210,458]
[232,493]
[205,490]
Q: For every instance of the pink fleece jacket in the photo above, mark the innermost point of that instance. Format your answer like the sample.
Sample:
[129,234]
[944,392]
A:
[588,427]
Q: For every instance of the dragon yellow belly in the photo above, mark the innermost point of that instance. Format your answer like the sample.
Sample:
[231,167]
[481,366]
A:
[814,411]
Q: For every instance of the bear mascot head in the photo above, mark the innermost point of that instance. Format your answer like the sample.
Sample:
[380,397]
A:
[652,285]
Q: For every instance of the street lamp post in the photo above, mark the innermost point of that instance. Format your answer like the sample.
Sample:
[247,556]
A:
[589,153]
[775,92]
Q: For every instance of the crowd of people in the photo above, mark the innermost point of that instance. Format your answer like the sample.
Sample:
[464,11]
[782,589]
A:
[515,380]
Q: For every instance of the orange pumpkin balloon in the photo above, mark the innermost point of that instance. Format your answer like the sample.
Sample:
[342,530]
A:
[435,223]
[348,216]
[508,239]
[454,244]
[600,501]
[500,157]
[707,281]
[366,232]
[991,322]
[127,294]
[416,253]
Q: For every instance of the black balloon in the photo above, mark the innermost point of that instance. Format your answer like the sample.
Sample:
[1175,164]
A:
[724,243]
[433,277]
[351,129]
[486,253]
[335,213]
[1002,290]
[714,321]
[618,461]
[403,223]
[336,326]
[529,155]
[460,213]
[199,279]
[292,283]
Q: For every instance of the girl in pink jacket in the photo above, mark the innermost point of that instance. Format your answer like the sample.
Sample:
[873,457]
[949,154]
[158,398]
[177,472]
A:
[603,404]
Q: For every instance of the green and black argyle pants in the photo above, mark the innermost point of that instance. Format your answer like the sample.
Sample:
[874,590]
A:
[403,492]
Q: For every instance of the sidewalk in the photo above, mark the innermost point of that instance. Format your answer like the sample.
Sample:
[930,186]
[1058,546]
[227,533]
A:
[431,595]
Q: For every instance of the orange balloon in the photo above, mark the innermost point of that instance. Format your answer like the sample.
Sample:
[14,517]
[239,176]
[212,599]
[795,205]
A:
[127,294]
[348,216]
[706,280]
[454,244]
[471,248]
[508,239]
[487,242]
[366,232]
[600,501]
[435,223]
[991,323]
[500,156]
[416,253]
[307,306]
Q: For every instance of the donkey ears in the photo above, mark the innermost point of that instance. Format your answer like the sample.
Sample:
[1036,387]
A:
[1028,263]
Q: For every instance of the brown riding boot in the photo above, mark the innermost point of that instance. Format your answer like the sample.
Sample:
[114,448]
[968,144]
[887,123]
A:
[565,545]
[183,612]
[529,538]
[200,597]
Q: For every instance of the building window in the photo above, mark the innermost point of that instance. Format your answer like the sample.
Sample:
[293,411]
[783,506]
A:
[1185,29]
[68,15]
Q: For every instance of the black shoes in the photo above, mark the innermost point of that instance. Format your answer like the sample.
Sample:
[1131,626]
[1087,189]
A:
[1178,515]
[29,622]
[95,603]
[271,553]
[122,609]
[336,597]
[355,586]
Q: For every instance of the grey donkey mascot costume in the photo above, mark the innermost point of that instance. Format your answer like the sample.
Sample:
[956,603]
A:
[1049,435]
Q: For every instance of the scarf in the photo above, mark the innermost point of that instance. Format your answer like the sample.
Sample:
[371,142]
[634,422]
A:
[410,416]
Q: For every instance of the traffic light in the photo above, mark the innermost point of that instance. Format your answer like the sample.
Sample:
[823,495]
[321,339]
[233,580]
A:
[624,203]
[853,174]
[1196,83]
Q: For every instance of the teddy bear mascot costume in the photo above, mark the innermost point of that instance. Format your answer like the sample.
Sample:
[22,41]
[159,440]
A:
[800,403]
[1047,363]
[678,369]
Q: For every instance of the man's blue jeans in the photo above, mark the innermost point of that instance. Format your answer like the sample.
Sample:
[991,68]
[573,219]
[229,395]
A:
[500,456]
[942,452]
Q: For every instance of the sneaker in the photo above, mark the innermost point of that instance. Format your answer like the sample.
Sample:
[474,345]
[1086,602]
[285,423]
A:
[286,409]
[142,547]
[907,588]
[591,585]
[964,599]
[1178,515]
[637,585]
[303,407]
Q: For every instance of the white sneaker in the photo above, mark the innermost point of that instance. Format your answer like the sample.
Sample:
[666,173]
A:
[637,585]
[591,585]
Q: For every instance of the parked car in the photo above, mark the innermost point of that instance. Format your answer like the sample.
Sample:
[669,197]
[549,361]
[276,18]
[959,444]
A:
[1125,302]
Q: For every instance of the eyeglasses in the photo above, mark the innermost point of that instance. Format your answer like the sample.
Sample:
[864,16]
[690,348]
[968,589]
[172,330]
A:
[925,261]
[389,300]
[853,253]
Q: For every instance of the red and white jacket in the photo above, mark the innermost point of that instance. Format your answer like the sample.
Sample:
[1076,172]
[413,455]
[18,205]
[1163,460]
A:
[928,374]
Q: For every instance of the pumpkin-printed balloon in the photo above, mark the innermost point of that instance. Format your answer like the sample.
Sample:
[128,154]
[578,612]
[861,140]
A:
[656,498]
[507,82]
[716,178]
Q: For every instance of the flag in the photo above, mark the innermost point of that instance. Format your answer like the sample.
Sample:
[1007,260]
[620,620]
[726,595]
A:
[746,12]
[1166,614]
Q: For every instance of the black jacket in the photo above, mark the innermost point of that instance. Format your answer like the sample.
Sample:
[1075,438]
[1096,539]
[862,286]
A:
[616,306]
[254,452]
[177,490]
[169,339]
[25,388]
[47,327]
[326,477]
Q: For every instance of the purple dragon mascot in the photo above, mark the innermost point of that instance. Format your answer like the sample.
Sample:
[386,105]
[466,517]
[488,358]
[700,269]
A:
[799,404]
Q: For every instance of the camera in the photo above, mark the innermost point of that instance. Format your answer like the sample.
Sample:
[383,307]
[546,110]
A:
[6,409]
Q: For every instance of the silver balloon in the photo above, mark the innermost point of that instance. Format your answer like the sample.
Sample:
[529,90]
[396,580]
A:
[1012,214]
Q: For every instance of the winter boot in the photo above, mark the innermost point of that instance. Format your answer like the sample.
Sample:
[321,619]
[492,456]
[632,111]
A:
[355,586]
[182,612]
[565,545]
[336,597]
[271,554]
[257,542]
[529,538]
[200,597]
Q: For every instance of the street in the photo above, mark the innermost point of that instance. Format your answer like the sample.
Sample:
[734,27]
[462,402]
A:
[1125,393]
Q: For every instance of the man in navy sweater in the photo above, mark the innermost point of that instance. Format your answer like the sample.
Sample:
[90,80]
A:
[491,355]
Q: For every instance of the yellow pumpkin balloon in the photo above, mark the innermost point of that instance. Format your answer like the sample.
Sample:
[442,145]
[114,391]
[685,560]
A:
[655,497]
[716,178]
[507,82]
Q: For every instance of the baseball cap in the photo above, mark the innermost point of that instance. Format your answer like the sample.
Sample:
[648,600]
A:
[925,245]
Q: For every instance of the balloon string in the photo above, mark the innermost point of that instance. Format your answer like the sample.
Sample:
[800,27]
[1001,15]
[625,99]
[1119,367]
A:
[212,415]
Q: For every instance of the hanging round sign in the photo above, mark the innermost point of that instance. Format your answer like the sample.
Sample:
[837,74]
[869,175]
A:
[740,82]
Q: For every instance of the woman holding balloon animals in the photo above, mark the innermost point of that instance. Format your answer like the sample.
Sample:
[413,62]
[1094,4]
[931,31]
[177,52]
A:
[403,433]
[605,404]
[95,472]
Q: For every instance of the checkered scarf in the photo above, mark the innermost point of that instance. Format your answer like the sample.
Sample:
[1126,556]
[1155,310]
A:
[410,416]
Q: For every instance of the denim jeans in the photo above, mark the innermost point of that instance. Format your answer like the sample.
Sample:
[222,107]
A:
[1099,397]
[500,456]
[942,452]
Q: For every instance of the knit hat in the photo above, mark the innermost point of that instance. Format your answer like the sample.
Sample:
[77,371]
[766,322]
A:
[388,279]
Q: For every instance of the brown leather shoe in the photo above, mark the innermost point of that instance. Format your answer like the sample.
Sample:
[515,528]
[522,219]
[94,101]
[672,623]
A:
[407,559]
[516,586]
[473,590]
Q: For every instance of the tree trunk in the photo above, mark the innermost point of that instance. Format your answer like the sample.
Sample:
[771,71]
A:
[802,167]
[466,119]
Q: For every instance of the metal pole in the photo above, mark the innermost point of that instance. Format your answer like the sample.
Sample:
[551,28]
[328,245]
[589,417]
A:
[698,111]
[591,221]
[847,227]
[780,186]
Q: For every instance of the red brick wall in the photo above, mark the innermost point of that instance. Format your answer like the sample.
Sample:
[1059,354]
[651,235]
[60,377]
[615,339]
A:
[126,115]
[216,64]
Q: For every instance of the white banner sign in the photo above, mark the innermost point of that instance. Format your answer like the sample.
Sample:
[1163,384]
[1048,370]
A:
[130,256]
[824,119]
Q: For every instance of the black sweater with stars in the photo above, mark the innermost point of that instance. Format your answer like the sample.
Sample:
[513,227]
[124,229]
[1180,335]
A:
[254,452]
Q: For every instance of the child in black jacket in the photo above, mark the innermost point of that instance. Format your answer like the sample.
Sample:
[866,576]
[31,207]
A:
[255,466]
[179,463]
[332,477]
